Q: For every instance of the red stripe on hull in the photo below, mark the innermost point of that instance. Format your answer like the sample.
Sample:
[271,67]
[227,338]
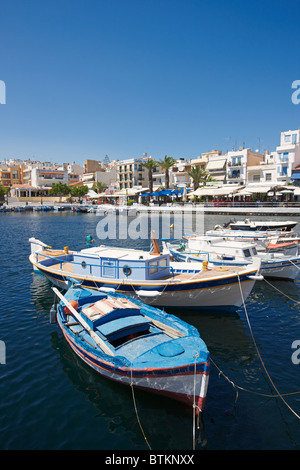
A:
[183,398]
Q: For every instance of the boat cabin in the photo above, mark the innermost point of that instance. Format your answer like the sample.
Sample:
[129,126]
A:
[121,263]
[224,249]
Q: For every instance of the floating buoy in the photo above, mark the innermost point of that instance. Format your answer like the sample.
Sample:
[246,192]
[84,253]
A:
[89,239]
[74,304]
[53,314]
[66,249]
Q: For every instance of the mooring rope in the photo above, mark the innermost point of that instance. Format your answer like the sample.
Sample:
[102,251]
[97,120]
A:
[136,411]
[194,403]
[294,264]
[278,290]
[262,362]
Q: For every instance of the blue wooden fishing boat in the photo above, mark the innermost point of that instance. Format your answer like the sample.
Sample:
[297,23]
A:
[135,344]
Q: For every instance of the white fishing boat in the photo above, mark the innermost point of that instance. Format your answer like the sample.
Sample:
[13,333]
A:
[263,225]
[281,263]
[148,275]
[262,239]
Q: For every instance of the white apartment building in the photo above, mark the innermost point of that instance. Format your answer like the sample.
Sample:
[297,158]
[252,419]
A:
[48,177]
[178,176]
[131,173]
[287,155]
[243,166]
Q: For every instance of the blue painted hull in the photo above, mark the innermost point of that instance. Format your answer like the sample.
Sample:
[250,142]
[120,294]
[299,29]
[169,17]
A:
[174,375]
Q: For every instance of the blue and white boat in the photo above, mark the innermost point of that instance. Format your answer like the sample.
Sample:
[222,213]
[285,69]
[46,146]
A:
[280,261]
[148,275]
[135,344]
[263,225]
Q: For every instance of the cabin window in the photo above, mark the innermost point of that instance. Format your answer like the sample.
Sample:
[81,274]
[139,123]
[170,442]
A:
[127,270]
[254,251]
[153,267]
[247,253]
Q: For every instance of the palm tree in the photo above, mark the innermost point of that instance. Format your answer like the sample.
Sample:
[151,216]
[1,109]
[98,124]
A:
[150,165]
[99,187]
[198,175]
[166,164]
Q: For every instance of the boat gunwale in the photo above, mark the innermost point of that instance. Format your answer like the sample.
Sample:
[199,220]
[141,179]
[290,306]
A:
[170,280]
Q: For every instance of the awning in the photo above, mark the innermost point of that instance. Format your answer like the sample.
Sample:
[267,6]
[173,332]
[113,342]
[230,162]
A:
[128,192]
[295,176]
[93,194]
[258,188]
[212,191]
[216,164]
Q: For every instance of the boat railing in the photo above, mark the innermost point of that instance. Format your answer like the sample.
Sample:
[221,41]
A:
[196,253]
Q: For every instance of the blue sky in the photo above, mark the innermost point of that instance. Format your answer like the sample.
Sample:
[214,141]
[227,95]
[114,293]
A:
[89,78]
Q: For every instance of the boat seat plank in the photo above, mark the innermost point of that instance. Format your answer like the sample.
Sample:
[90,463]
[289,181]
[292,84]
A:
[126,325]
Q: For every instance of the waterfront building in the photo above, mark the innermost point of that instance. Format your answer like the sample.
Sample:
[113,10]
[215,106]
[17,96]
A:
[131,173]
[90,166]
[287,155]
[10,175]
[243,166]
[178,176]
[48,177]
[216,165]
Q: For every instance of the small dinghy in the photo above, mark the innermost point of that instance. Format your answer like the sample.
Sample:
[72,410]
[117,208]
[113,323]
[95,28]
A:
[135,344]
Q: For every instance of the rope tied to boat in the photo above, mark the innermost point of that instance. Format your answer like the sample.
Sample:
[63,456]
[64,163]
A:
[261,360]
[280,291]
[294,264]
[135,408]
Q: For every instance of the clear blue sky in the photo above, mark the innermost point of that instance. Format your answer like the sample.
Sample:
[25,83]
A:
[86,78]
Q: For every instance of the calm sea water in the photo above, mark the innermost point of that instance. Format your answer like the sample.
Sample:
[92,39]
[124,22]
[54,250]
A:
[49,399]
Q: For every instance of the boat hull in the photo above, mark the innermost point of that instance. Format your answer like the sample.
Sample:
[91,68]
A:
[222,293]
[187,384]
[262,226]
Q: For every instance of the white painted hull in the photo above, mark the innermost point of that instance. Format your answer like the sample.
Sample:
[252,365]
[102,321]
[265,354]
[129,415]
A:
[223,296]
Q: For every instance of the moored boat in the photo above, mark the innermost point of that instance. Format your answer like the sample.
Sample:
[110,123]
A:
[135,344]
[151,276]
[277,263]
[265,225]
[261,238]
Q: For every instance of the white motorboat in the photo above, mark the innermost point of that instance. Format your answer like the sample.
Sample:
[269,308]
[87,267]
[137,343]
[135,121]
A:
[263,225]
[279,263]
[262,239]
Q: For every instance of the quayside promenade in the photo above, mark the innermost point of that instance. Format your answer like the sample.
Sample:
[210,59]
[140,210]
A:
[221,208]
[228,209]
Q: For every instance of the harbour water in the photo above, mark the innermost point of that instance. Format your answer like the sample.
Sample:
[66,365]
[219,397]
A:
[51,400]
